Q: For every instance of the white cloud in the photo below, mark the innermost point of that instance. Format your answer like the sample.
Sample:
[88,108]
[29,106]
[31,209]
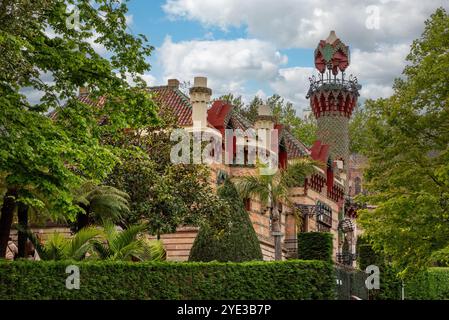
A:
[377,54]
[228,64]
[293,84]
[301,23]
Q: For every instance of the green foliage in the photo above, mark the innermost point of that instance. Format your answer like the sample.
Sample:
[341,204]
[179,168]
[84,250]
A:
[366,255]
[126,245]
[315,246]
[405,141]
[102,203]
[390,284]
[44,159]
[163,194]
[169,280]
[237,242]
[304,129]
[431,284]
[58,247]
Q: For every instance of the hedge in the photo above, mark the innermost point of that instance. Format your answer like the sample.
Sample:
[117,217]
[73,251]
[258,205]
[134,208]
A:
[390,285]
[432,284]
[239,241]
[315,246]
[293,279]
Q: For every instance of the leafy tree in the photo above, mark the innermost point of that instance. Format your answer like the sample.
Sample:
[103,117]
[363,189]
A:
[407,148]
[163,194]
[273,190]
[52,156]
[237,242]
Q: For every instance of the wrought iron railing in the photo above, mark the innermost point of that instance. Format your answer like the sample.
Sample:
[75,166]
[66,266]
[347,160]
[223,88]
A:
[333,83]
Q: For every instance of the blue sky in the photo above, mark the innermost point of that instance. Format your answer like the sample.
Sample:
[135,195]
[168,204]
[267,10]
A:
[263,47]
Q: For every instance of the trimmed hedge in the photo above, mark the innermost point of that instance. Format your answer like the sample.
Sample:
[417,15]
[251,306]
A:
[432,284]
[169,280]
[315,246]
[239,241]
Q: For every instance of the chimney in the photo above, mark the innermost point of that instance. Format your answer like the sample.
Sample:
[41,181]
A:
[199,98]
[265,118]
[173,83]
[83,92]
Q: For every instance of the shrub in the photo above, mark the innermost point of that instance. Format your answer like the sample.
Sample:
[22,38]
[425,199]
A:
[237,243]
[390,285]
[169,280]
[315,246]
[432,284]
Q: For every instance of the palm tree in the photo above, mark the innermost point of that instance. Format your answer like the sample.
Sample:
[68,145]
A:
[273,189]
[129,244]
[58,247]
[100,204]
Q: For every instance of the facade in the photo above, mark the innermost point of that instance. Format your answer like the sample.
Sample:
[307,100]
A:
[323,200]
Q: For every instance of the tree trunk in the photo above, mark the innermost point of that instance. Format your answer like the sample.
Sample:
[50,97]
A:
[276,226]
[82,219]
[7,213]
[22,214]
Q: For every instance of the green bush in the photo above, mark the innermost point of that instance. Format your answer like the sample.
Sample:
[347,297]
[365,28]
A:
[366,255]
[390,285]
[169,280]
[315,246]
[432,284]
[237,243]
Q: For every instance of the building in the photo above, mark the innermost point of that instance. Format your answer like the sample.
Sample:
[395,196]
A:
[323,200]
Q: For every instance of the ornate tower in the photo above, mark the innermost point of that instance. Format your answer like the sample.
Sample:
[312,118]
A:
[332,97]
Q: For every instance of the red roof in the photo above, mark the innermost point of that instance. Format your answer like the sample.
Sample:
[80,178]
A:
[220,116]
[176,100]
[219,112]
[320,152]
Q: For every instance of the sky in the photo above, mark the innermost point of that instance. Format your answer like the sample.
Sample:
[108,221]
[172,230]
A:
[262,47]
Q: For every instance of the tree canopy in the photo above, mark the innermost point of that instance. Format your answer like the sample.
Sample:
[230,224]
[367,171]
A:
[45,53]
[405,138]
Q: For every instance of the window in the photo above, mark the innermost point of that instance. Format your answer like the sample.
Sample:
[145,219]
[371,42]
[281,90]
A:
[323,216]
[358,185]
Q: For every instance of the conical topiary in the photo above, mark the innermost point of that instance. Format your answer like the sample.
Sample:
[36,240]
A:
[238,243]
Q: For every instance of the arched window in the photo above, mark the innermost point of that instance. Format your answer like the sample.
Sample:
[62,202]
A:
[357,185]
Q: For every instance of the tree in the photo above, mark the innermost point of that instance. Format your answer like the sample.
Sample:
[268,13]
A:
[163,194]
[237,242]
[274,189]
[58,247]
[47,156]
[304,129]
[407,148]
[100,204]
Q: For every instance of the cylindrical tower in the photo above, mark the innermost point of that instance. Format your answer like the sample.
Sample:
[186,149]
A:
[332,97]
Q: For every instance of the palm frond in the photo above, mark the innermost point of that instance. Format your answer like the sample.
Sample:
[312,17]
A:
[81,243]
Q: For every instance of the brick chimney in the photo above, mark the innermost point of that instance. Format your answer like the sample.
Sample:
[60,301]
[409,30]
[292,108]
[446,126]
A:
[199,98]
[173,83]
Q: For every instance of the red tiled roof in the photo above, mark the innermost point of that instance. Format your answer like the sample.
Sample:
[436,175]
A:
[219,116]
[295,148]
[176,100]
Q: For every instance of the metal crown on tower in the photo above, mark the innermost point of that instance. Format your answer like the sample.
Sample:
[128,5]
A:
[331,93]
